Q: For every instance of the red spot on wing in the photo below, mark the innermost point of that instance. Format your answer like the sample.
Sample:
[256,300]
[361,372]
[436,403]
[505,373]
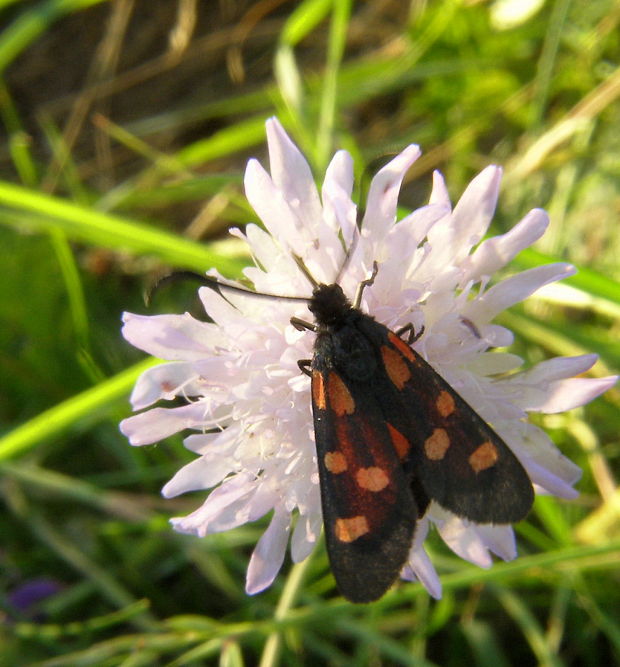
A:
[318,390]
[340,399]
[437,444]
[445,403]
[401,444]
[335,462]
[350,529]
[485,456]
[372,479]
[395,366]
[401,346]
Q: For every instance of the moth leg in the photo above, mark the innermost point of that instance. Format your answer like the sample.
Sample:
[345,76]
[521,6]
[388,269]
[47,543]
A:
[302,325]
[365,283]
[304,365]
[412,334]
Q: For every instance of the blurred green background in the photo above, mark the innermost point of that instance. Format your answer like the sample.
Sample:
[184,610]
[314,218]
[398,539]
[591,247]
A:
[126,129]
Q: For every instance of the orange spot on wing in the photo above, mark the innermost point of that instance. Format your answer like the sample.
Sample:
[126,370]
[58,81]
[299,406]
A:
[372,479]
[485,456]
[445,403]
[395,366]
[347,530]
[436,446]
[318,390]
[401,444]
[400,344]
[340,399]
[335,462]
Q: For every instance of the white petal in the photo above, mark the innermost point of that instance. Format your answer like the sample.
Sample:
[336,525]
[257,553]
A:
[340,172]
[305,535]
[544,463]
[494,253]
[164,382]
[548,481]
[273,209]
[263,501]
[233,502]
[292,176]
[200,442]
[217,444]
[414,227]
[512,290]
[224,313]
[568,394]
[202,473]
[549,386]
[499,539]
[159,423]
[558,368]
[268,555]
[470,219]
[462,538]
[420,564]
[496,335]
[494,363]
[422,567]
[340,212]
[439,193]
[401,254]
[220,505]
[264,248]
[172,337]
[190,524]
[477,204]
[383,194]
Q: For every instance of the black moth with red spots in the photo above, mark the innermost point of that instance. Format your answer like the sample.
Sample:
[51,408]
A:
[391,435]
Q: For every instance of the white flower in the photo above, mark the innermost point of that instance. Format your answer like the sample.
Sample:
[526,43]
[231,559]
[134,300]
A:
[248,405]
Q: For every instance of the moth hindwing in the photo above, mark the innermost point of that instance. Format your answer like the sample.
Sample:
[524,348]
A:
[391,435]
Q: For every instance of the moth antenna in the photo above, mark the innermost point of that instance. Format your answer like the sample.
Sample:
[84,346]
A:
[213,283]
[169,278]
[364,284]
[304,269]
[349,253]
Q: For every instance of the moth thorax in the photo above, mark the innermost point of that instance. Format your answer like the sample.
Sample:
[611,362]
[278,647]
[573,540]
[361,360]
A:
[329,305]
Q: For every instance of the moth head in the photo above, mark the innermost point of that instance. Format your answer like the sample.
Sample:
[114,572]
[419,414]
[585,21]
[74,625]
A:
[328,304]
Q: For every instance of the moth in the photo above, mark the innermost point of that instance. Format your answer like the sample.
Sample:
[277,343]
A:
[391,436]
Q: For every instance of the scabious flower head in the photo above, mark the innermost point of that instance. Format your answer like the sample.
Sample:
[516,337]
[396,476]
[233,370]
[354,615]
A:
[248,405]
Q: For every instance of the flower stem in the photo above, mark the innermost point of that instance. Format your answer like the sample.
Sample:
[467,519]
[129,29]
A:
[273,644]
